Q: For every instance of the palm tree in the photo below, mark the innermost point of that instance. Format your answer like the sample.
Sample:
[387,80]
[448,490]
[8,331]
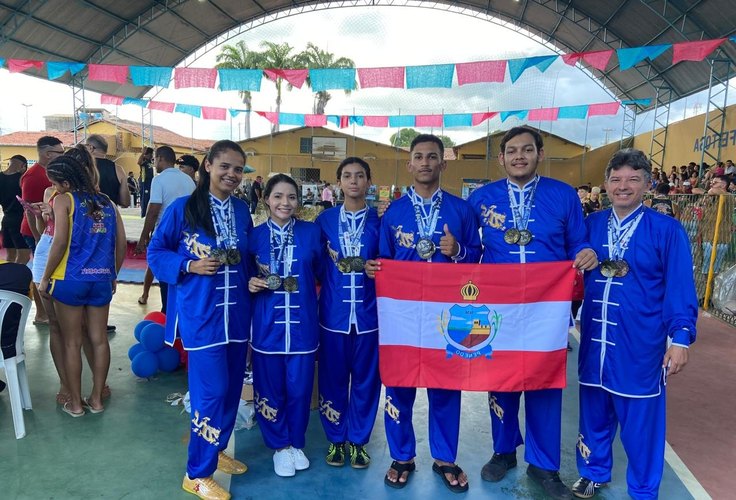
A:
[277,56]
[315,58]
[239,56]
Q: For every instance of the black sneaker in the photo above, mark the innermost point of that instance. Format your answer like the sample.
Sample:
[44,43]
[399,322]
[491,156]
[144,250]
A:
[495,469]
[359,458]
[110,328]
[585,488]
[336,454]
[550,481]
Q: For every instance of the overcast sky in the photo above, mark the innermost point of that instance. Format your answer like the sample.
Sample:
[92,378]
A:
[372,37]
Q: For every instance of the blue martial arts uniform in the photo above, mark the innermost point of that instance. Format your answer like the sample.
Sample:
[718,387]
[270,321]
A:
[400,233]
[213,316]
[626,323]
[556,221]
[349,384]
[285,332]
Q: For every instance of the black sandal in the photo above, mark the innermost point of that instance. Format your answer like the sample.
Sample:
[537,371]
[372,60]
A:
[400,469]
[455,471]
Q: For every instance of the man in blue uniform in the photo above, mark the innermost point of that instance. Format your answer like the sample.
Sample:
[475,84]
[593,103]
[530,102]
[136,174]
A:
[434,226]
[640,300]
[528,218]
[349,385]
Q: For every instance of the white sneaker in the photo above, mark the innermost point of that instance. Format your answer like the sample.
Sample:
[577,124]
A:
[301,462]
[283,463]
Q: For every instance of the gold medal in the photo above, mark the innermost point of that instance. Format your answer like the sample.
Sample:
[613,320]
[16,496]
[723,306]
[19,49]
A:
[608,268]
[219,254]
[622,268]
[343,265]
[512,236]
[425,248]
[233,256]
[273,281]
[525,237]
[291,284]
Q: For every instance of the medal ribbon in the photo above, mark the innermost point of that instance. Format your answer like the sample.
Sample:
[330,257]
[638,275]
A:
[223,220]
[523,209]
[281,238]
[619,235]
[351,229]
[426,223]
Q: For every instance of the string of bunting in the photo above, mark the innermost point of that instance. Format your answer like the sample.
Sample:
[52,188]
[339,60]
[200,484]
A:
[409,77]
[450,120]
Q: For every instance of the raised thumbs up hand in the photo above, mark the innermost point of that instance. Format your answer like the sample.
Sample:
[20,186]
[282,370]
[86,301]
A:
[448,244]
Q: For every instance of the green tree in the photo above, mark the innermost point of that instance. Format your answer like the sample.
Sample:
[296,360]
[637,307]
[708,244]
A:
[239,56]
[315,58]
[277,56]
[404,136]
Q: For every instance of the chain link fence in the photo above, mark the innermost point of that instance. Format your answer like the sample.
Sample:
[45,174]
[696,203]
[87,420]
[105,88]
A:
[710,222]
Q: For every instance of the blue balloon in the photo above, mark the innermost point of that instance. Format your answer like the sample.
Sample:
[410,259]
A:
[134,350]
[168,359]
[139,328]
[152,337]
[145,364]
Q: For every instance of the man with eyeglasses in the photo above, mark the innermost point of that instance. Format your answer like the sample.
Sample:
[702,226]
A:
[33,183]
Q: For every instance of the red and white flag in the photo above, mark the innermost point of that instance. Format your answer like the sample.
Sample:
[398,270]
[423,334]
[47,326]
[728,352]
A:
[474,327]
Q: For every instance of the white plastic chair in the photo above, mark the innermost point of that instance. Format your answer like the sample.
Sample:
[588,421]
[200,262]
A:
[15,367]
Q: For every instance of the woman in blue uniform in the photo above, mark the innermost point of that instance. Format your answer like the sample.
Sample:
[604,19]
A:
[86,253]
[200,246]
[349,384]
[285,331]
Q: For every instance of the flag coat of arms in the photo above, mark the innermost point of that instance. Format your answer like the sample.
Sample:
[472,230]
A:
[474,327]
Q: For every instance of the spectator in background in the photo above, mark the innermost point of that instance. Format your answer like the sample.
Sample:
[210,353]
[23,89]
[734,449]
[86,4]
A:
[255,193]
[718,186]
[33,183]
[661,202]
[133,188]
[170,184]
[145,162]
[593,203]
[12,240]
[189,165]
[730,168]
[328,197]
[112,177]
[13,278]
[720,169]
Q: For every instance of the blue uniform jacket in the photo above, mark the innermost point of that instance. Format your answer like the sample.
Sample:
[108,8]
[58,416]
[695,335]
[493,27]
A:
[399,232]
[341,293]
[625,324]
[283,322]
[556,221]
[210,310]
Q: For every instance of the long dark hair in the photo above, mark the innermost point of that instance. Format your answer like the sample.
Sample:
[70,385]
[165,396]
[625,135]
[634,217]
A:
[67,169]
[83,156]
[197,209]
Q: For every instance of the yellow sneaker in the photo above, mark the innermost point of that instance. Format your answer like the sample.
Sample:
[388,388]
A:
[229,465]
[205,487]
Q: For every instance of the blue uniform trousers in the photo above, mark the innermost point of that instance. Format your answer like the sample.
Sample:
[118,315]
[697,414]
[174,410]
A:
[349,385]
[444,423]
[215,383]
[642,434]
[543,425]
[283,391]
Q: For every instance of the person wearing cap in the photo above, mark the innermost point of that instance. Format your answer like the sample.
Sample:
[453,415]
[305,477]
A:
[189,165]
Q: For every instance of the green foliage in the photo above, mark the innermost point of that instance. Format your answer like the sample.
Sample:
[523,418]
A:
[403,138]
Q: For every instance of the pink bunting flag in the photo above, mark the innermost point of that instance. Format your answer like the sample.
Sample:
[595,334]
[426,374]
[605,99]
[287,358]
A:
[162,106]
[296,77]
[20,65]
[392,78]
[543,114]
[602,109]
[315,120]
[269,115]
[598,59]
[694,51]
[375,121]
[479,118]
[483,71]
[195,77]
[428,121]
[111,99]
[210,113]
[108,73]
